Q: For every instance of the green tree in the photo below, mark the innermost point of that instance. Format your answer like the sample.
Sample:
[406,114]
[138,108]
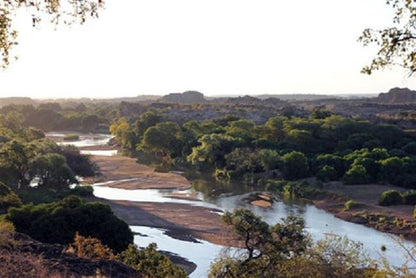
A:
[151,263]
[58,222]
[357,174]
[165,137]
[397,44]
[8,198]
[14,163]
[212,150]
[265,246]
[391,168]
[390,197]
[295,165]
[60,11]
[52,171]
[146,120]
[269,159]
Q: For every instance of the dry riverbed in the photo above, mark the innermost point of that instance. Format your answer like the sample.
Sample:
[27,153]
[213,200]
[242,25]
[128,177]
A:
[182,221]
[397,220]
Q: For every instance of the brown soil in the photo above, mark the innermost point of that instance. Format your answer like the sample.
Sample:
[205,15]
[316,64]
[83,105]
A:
[181,220]
[122,168]
[397,220]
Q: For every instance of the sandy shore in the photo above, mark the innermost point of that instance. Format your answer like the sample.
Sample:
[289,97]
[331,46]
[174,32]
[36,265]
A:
[140,176]
[182,221]
[368,212]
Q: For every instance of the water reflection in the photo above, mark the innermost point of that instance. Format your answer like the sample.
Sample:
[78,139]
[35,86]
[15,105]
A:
[318,222]
[202,254]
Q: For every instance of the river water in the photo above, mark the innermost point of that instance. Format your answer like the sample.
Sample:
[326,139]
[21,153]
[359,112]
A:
[318,222]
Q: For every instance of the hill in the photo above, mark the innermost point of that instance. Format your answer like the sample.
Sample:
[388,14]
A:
[397,95]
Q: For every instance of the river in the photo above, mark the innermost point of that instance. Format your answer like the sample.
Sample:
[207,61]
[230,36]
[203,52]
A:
[318,222]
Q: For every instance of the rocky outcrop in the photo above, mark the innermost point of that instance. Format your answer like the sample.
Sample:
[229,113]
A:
[185,97]
[26,257]
[397,95]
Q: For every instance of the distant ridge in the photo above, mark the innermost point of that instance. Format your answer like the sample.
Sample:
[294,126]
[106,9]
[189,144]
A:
[16,100]
[397,95]
[185,97]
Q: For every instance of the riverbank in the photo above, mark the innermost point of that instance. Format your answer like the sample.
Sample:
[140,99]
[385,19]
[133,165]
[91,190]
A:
[397,220]
[181,221]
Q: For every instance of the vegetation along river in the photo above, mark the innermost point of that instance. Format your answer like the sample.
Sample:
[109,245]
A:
[318,222]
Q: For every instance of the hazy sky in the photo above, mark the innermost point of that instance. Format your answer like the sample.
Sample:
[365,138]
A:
[216,47]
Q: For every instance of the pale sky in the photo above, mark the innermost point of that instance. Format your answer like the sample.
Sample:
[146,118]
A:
[214,46]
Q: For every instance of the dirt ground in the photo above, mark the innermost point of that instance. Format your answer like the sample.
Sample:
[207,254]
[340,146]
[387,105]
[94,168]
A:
[143,177]
[369,194]
[366,197]
[182,221]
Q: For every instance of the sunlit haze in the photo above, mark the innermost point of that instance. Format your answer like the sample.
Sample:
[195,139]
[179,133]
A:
[216,47]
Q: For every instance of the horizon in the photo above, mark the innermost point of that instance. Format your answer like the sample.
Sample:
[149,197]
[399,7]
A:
[234,48]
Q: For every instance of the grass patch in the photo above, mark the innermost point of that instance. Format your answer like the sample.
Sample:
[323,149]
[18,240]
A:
[71,137]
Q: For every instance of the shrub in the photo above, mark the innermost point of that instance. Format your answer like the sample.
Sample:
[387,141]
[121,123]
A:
[300,190]
[295,165]
[356,175]
[71,137]
[409,197]
[327,172]
[91,248]
[8,198]
[350,204]
[390,198]
[150,262]
[59,221]
[83,191]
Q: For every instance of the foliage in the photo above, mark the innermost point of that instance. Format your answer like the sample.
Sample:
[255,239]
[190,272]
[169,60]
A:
[350,204]
[91,248]
[59,221]
[8,198]
[60,11]
[265,246]
[295,165]
[326,173]
[71,137]
[390,197]
[357,174]
[397,43]
[52,171]
[409,197]
[150,262]
[300,190]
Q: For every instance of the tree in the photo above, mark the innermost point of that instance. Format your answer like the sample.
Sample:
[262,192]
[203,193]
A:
[52,171]
[357,174]
[164,137]
[150,262]
[265,246]
[295,165]
[397,44]
[66,11]
[58,222]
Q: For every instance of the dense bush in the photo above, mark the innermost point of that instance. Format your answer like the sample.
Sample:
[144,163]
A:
[409,197]
[8,198]
[295,165]
[300,190]
[326,173]
[350,204]
[71,137]
[356,175]
[150,262]
[390,197]
[59,221]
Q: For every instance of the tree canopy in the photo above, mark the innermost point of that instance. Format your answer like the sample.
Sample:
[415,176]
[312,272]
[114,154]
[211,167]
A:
[66,12]
[397,43]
